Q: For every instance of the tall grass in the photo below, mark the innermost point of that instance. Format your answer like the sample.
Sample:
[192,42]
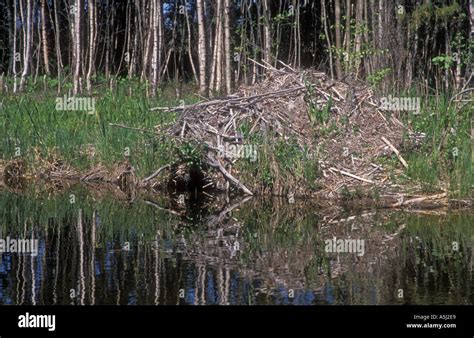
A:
[444,160]
[31,123]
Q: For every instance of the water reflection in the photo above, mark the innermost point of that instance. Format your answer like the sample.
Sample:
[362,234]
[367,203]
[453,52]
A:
[152,252]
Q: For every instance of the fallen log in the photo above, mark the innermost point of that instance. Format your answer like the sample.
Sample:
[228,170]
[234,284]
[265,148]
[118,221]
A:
[418,200]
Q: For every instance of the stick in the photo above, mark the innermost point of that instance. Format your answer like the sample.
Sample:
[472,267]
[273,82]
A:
[161,208]
[156,173]
[216,164]
[272,69]
[183,129]
[395,150]
[287,66]
[133,128]
[234,99]
[352,176]
[418,200]
[376,166]
[335,91]
[214,219]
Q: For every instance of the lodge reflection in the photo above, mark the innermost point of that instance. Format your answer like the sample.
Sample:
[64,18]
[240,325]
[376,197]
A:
[240,255]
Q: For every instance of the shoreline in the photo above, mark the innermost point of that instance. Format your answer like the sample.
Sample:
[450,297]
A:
[122,182]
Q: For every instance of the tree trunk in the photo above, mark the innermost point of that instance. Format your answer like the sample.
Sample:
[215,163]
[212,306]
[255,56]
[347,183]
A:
[59,59]
[191,60]
[267,32]
[337,13]
[156,23]
[92,39]
[228,51]
[216,66]
[471,33]
[15,53]
[77,47]
[108,38]
[328,36]
[202,47]
[358,35]
[347,39]
[133,56]
[28,43]
[44,37]
[148,36]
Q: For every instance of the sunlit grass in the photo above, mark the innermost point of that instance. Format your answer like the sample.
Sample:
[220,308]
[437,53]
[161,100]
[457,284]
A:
[444,159]
[30,123]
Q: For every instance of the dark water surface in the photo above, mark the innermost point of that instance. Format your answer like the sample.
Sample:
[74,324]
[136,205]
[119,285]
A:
[99,250]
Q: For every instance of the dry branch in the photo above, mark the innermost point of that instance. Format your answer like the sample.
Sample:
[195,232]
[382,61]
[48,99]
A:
[215,163]
[395,150]
[345,173]
[156,173]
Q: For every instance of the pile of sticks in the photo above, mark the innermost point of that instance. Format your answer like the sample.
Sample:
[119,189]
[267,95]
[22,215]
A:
[285,106]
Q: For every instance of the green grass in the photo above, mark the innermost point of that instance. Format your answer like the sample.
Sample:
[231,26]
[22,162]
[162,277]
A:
[30,122]
[444,159]
[279,162]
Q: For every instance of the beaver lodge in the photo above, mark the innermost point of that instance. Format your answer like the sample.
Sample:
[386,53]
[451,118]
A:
[338,125]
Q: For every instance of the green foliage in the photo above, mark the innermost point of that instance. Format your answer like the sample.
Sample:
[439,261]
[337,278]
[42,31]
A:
[190,153]
[287,154]
[376,78]
[443,61]
[447,12]
[423,14]
[315,113]
[285,17]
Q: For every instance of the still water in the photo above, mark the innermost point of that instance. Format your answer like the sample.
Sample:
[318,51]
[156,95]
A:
[96,249]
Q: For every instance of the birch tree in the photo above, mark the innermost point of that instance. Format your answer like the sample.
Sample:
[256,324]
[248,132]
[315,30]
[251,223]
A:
[471,33]
[216,68]
[44,37]
[157,48]
[59,60]
[92,43]
[202,47]
[337,28]
[228,51]
[76,12]
[27,44]
[15,53]
[267,32]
